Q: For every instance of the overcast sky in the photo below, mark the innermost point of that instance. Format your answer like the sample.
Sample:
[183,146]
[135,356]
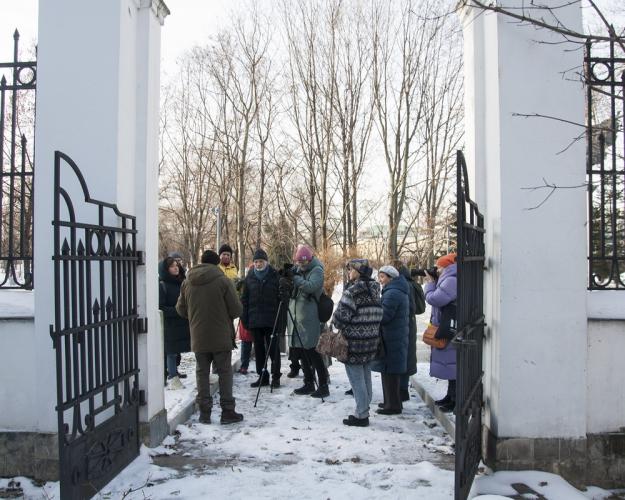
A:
[190,23]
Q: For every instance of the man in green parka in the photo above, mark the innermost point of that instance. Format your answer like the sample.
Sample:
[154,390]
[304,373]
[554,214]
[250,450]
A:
[210,302]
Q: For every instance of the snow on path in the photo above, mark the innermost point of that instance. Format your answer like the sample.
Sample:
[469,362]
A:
[297,445]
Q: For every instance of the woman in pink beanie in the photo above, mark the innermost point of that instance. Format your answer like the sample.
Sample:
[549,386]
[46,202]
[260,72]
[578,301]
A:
[303,254]
[303,323]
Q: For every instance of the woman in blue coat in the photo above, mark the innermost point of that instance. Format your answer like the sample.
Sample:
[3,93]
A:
[440,293]
[394,329]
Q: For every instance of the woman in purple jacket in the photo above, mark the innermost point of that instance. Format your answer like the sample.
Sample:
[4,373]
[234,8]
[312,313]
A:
[438,293]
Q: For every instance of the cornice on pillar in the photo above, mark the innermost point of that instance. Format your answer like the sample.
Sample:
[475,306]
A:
[159,8]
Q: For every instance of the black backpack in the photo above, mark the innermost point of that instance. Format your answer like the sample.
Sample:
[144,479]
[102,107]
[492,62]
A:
[325,307]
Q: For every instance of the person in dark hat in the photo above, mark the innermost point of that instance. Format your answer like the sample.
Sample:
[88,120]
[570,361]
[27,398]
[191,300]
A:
[226,264]
[209,301]
[260,307]
[357,317]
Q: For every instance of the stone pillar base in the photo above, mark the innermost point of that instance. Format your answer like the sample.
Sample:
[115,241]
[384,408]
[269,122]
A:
[596,460]
[30,454]
[153,432]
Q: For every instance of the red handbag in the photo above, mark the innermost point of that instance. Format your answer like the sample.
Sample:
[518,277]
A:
[244,334]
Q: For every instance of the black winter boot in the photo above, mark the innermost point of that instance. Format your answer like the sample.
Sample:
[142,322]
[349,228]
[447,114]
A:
[230,417]
[275,381]
[307,388]
[443,401]
[404,394]
[356,422]
[322,392]
[293,373]
[262,380]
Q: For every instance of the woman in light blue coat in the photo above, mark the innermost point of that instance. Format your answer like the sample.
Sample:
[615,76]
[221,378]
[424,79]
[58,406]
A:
[304,327]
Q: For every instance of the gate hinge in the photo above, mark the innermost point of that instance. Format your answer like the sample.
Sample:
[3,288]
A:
[140,258]
[142,325]
[142,400]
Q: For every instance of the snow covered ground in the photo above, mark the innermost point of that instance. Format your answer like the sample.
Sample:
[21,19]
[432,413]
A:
[297,446]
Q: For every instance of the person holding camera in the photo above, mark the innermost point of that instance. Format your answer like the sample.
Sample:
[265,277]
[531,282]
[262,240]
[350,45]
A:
[357,316]
[394,328]
[303,283]
[441,291]
[260,300]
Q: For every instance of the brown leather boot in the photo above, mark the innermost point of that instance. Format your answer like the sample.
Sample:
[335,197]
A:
[230,417]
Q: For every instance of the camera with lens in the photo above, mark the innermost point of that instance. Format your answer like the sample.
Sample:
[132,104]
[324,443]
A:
[285,284]
[432,271]
[287,271]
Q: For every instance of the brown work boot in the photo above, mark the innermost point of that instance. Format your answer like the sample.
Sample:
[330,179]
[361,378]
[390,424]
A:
[230,417]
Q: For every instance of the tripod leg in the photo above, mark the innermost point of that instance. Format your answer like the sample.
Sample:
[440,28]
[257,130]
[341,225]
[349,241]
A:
[273,334]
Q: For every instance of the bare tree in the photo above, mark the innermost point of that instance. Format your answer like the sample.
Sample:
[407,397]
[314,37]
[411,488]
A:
[237,64]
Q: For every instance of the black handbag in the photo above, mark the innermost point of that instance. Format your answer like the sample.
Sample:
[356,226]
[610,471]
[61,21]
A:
[325,307]
[447,327]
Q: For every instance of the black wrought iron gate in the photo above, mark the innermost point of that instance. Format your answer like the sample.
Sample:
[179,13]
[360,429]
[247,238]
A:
[94,336]
[470,327]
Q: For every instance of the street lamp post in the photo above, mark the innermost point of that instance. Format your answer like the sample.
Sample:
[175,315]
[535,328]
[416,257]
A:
[217,212]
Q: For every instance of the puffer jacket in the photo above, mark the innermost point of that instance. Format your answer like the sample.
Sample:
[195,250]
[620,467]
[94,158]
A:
[305,328]
[210,302]
[260,299]
[176,328]
[357,316]
[438,295]
[411,361]
[394,325]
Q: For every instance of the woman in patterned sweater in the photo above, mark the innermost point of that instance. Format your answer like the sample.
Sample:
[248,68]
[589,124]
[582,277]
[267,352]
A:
[357,316]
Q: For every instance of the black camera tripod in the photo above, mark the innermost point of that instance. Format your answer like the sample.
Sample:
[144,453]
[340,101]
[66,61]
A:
[284,303]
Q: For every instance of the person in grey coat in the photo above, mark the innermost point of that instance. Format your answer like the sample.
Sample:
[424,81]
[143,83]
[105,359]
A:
[303,324]
[394,325]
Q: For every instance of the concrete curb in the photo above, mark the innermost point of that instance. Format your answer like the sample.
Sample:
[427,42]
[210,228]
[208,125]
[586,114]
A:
[443,418]
[189,407]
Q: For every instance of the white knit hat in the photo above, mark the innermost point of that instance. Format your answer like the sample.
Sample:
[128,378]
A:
[389,271]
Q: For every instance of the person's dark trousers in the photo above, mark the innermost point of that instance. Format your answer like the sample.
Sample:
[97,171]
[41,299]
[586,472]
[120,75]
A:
[311,360]
[262,339]
[390,389]
[172,369]
[246,353]
[294,360]
[404,384]
[451,390]
[222,366]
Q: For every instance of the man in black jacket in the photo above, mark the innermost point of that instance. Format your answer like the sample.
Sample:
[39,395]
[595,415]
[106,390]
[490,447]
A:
[260,306]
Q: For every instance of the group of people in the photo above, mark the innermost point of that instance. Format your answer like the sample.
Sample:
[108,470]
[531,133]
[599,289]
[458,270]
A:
[377,319]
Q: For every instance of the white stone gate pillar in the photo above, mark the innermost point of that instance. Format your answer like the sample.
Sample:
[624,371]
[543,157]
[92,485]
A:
[535,286]
[98,102]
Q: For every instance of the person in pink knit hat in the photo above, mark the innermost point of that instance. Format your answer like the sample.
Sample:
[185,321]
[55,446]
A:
[304,327]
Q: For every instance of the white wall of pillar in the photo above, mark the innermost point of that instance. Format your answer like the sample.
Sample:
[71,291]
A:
[535,286]
[98,102]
